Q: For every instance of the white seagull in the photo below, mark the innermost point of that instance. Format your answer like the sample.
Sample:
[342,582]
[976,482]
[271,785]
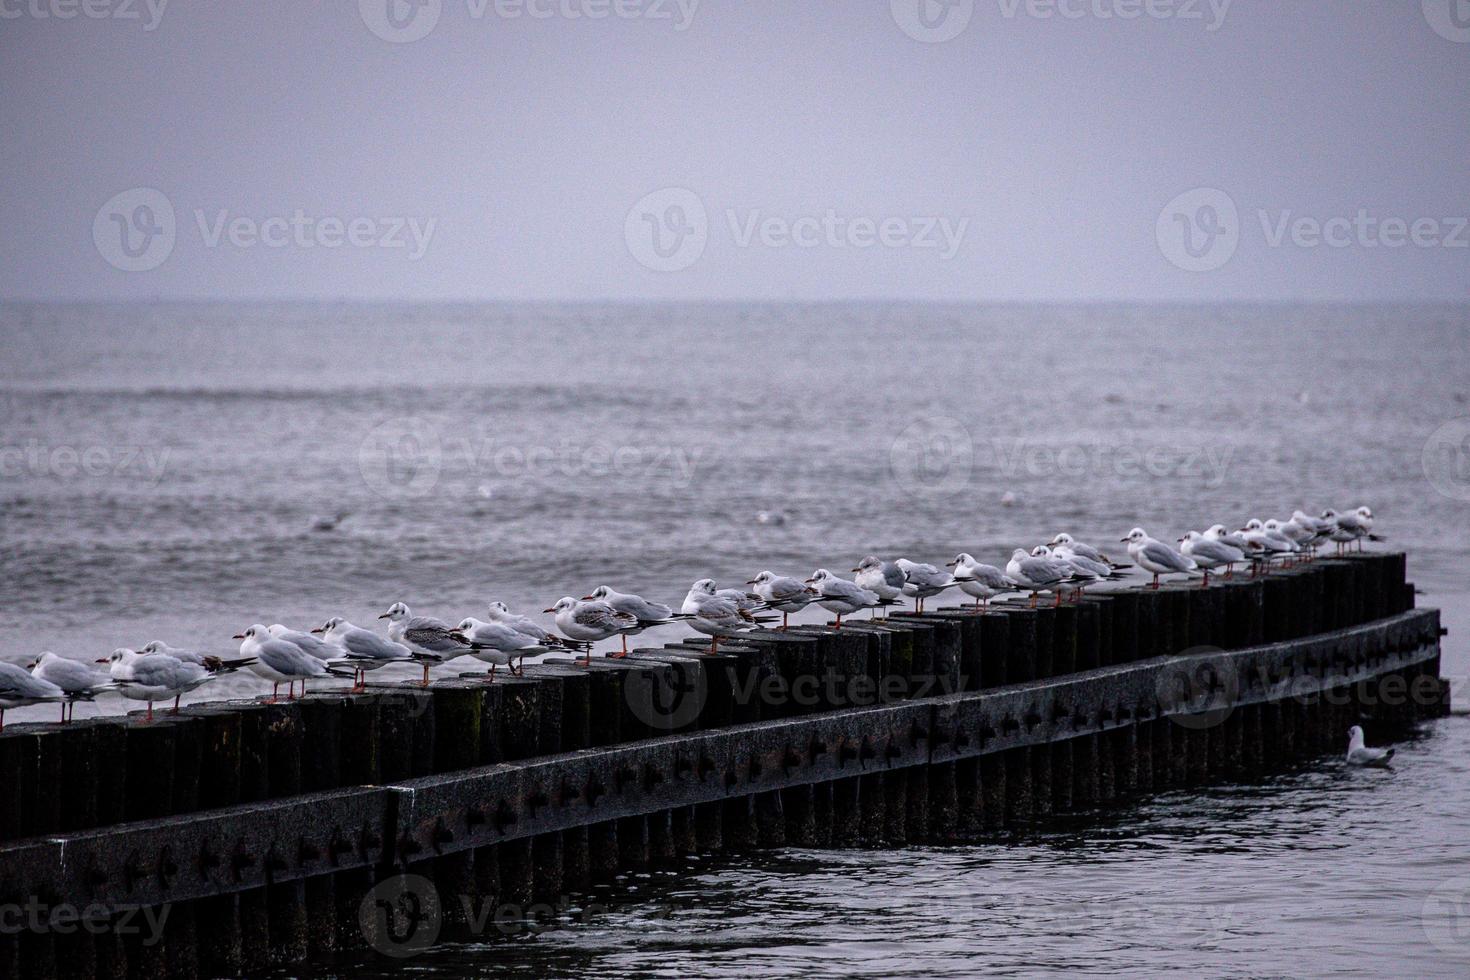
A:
[154,676]
[840,596]
[1210,553]
[883,578]
[783,594]
[281,660]
[1359,754]
[79,681]
[717,616]
[922,581]
[363,650]
[647,613]
[1156,557]
[590,621]
[979,581]
[19,688]
[497,644]
[1065,540]
[1037,575]
[432,639]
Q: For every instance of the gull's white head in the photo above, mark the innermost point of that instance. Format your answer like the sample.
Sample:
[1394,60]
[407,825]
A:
[276,629]
[820,575]
[498,608]
[468,623]
[1019,554]
[1061,540]
[155,646]
[1193,536]
[121,655]
[1041,551]
[396,612]
[1215,531]
[961,559]
[45,656]
[1272,525]
[1355,737]
[1254,524]
[705,585]
[1136,536]
[761,579]
[1365,513]
[1329,514]
[871,561]
[255,632]
[563,604]
[331,626]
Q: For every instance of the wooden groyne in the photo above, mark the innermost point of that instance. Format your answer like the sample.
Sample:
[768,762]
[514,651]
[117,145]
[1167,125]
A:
[256,835]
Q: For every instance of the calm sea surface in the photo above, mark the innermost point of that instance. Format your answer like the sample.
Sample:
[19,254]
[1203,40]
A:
[179,472]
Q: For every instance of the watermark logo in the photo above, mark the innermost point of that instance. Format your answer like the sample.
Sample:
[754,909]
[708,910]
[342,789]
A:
[1445,916]
[667,230]
[401,458]
[1446,459]
[1449,18]
[1199,694]
[135,230]
[934,454]
[667,700]
[400,21]
[1199,230]
[401,916]
[932,21]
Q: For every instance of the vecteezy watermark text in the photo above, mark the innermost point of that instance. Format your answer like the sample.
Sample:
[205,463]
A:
[149,12]
[36,458]
[39,917]
[405,21]
[667,230]
[406,457]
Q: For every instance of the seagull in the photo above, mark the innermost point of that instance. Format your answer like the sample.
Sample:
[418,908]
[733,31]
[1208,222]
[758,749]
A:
[1321,530]
[922,581]
[78,680]
[19,688]
[884,578]
[785,595]
[154,676]
[1036,575]
[840,596]
[309,644]
[432,640]
[1209,553]
[499,612]
[363,649]
[210,662]
[1351,527]
[1065,540]
[647,613]
[281,660]
[590,621]
[1271,542]
[1083,571]
[497,643]
[1155,556]
[979,581]
[717,616]
[1299,534]
[706,587]
[1359,754]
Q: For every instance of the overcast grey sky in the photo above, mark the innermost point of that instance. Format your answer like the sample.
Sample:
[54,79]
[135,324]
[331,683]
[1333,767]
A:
[727,149]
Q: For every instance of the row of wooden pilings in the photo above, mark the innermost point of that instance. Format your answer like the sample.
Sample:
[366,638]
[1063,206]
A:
[102,773]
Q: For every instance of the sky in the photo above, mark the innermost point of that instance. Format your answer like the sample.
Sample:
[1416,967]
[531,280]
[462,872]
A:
[645,150]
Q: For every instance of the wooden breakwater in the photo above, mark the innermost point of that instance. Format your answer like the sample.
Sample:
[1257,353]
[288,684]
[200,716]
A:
[264,830]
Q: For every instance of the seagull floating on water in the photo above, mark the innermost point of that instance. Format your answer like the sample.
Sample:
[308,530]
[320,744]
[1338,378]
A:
[1359,754]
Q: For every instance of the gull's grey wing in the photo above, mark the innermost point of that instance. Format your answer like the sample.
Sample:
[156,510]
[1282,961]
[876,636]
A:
[432,634]
[366,645]
[1161,554]
[1217,551]
[991,576]
[789,590]
[72,676]
[21,683]
[1041,571]
[161,670]
[641,609]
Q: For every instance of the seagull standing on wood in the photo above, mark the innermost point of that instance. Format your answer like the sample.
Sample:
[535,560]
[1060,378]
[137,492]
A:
[883,578]
[432,640]
[840,596]
[79,681]
[1156,557]
[979,581]
[783,594]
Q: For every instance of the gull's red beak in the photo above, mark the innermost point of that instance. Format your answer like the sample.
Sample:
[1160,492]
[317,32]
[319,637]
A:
[384,616]
[319,629]
[552,609]
[238,636]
